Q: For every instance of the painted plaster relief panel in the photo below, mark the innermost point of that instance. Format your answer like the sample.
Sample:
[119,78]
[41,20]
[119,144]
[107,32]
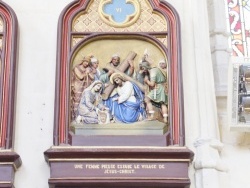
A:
[119,97]
[115,69]
[119,79]
[101,16]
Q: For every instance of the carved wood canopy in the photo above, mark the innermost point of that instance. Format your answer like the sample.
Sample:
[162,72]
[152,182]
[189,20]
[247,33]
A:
[153,21]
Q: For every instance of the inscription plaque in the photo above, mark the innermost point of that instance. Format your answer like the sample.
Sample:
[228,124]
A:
[137,166]
[121,170]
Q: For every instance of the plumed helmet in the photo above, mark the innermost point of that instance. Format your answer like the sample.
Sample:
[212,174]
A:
[145,64]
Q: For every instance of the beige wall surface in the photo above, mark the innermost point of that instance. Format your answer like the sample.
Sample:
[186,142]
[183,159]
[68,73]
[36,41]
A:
[37,22]
[36,85]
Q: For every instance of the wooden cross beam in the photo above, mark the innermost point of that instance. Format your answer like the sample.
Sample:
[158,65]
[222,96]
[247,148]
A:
[121,69]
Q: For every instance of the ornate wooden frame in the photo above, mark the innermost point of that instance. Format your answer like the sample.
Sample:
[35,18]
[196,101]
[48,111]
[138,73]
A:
[9,160]
[8,74]
[62,91]
[67,158]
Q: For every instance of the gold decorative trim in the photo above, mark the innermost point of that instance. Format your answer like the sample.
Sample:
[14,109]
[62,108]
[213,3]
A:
[129,19]
[119,178]
[5,150]
[120,147]
[5,182]
[90,21]
[121,160]
[155,12]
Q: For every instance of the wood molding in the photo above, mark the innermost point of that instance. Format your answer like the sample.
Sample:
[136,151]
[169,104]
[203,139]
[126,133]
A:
[143,166]
[8,75]
[176,115]
[72,154]
[9,162]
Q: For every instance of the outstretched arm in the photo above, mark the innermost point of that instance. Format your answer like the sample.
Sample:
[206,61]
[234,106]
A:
[148,82]
[131,67]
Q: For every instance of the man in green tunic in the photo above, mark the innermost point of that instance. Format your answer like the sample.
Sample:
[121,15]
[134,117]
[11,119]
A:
[156,82]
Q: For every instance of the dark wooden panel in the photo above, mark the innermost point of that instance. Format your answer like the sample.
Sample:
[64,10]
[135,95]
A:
[9,162]
[119,167]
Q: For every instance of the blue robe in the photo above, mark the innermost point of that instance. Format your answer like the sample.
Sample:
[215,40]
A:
[127,112]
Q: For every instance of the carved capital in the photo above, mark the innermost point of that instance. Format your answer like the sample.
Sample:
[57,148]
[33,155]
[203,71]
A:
[207,155]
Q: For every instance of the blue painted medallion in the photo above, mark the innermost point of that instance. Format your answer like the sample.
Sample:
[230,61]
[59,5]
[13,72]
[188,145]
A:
[119,10]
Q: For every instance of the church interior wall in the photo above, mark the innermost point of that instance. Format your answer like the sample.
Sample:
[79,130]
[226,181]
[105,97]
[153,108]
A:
[37,22]
[235,152]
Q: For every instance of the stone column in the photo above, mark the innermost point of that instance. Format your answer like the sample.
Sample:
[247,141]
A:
[219,44]
[220,52]
[207,162]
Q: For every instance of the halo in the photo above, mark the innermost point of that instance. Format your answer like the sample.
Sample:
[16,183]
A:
[113,76]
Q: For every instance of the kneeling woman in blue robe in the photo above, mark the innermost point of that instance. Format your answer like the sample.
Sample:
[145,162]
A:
[127,105]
